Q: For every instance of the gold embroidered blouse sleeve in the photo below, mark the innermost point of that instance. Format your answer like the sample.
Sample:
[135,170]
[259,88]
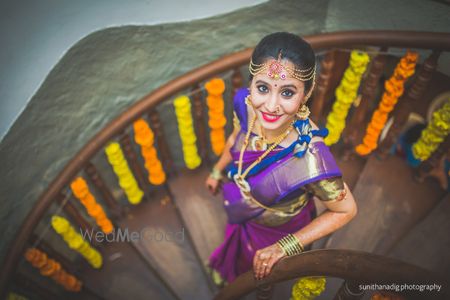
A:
[236,123]
[329,190]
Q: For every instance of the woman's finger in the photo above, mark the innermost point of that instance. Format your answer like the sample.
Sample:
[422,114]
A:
[269,267]
[255,263]
[264,263]
[262,270]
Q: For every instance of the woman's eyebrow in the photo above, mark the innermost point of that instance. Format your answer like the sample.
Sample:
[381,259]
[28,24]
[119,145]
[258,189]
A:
[289,86]
[283,86]
[263,82]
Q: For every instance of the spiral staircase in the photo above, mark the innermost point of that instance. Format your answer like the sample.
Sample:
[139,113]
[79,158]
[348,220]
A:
[395,202]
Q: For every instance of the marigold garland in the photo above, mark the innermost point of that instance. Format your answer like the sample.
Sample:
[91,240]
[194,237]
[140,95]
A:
[75,241]
[187,134]
[217,120]
[81,191]
[14,296]
[434,134]
[143,135]
[394,88]
[308,288]
[126,178]
[51,268]
[346,93]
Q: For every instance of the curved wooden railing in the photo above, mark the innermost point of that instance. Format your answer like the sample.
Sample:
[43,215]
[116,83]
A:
[422,40]
[356,267]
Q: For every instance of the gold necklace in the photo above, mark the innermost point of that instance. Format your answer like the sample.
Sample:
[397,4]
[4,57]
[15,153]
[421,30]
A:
[266,140]
[239,178]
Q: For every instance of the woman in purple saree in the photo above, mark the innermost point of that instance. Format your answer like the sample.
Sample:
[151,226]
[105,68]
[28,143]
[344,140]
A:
[276,162]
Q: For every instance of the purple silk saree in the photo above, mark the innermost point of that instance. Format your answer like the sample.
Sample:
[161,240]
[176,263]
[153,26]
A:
[281,181]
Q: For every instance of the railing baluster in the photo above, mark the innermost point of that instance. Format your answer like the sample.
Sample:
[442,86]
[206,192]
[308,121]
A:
[349,291]
[200,123]
[406,103]
[71,210]
[354,130]
[131,157]
[323,83]
[163,147]
[236,80]
[264,292]
[116,209]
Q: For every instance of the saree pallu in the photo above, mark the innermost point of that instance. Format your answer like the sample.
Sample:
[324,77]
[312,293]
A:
[235,255]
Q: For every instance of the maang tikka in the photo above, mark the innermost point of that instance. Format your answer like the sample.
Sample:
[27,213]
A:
[277,70]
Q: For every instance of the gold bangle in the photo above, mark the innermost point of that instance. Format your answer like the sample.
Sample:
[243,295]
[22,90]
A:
[291,245]
[298,243]
[216,174]
[283,245]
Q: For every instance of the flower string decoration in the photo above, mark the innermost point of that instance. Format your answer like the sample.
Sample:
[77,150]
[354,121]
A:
[75,241]
[81,191]
[51,268]
[217,121]
[434,134]
[187,133]
[143,135]
[346,94]
[127,181]
[394,88]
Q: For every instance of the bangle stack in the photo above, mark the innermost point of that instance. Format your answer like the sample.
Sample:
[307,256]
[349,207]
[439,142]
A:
[290,245]
[216,174]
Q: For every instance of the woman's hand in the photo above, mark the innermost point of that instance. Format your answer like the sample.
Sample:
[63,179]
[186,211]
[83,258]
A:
[213,185]
[264,260]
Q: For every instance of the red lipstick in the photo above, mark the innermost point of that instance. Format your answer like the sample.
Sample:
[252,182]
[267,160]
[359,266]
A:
[270,117]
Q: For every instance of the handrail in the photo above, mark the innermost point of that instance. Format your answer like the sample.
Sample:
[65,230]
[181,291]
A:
[411,39]
[358,266]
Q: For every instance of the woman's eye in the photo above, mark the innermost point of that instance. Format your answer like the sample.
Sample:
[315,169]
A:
[287,93]
[262,88]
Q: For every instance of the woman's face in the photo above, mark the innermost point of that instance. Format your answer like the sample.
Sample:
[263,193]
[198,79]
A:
[276,101]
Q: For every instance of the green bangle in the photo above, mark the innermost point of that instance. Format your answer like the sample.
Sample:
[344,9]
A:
[216,174]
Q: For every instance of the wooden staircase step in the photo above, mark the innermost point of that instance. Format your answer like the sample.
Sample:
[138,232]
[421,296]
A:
[428,243]
[165,246]
[203,213]
[389,202]
[124,275]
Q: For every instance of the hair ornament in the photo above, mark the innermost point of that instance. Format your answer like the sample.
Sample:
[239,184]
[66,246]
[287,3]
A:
[277,70]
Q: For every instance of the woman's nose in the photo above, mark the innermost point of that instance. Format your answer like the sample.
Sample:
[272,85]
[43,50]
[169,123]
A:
[272,103]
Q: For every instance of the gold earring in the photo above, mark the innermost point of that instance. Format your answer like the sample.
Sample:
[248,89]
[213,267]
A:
[247,100]
[303,112]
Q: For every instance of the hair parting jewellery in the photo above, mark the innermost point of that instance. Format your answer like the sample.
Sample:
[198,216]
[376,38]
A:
[276,70]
